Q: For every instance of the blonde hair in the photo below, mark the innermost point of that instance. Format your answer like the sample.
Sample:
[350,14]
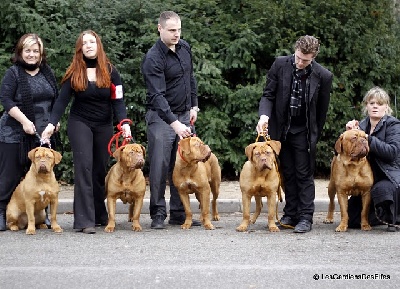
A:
[381,96]
[26,41]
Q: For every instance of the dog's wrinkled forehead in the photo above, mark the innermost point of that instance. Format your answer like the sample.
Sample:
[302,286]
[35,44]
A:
[354,134]
[263,148]
[133,148]
[43,152]
[196,141]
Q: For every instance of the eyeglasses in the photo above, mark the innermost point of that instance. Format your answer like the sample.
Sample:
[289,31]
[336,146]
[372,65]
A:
[298,59]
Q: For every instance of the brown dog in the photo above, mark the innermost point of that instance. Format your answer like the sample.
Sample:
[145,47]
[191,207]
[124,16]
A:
[351,175]
[125,181]
[35,192]
[260,178]
[197,171]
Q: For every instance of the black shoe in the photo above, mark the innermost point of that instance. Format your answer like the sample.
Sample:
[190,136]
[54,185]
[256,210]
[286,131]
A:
[88,230]
[101,224]
[3,226]
[392,228]
[287,222]
[303,226]
[181,219]
[158,222]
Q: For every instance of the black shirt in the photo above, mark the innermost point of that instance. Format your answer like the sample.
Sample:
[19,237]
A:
[171,86]
[94,105]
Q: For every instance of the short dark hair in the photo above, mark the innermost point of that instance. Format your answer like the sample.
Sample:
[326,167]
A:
[164,16]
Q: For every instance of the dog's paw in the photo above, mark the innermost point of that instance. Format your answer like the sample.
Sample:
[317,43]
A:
[30,231]
[137,228]
[216,218]
[57,229]
[209,226]
[109,229]
[328,221]
[186,226]
[274,229]
[341,228]
[366,227]
[13,228]
[241,228]
[42,226]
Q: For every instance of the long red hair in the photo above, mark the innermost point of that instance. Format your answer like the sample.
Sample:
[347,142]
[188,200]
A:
[77,68]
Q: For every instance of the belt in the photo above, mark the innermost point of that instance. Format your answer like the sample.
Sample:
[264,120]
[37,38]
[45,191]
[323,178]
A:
[175,112]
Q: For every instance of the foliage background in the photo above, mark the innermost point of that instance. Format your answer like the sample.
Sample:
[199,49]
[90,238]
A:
[234,43]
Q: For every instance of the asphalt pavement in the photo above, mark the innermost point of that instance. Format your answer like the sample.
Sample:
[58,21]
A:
[199,258]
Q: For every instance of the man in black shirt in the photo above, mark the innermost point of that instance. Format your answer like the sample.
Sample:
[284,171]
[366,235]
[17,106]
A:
[171,105]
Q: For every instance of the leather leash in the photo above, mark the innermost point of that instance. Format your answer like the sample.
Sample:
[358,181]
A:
[115,138]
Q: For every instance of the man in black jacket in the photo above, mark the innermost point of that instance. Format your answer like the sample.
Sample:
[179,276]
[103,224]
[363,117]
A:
[293,109]
[171,105]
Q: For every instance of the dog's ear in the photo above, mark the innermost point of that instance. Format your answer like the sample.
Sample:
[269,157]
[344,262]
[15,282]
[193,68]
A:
[249,151]
[338,144]
[276,146]
[185,144]
[57,156]
[117,153]
[31,153]
[144,151]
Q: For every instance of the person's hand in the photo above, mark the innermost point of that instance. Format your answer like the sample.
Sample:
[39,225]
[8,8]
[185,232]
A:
[48,132]
[29,127]
[180,129]
[58,126]
[126,131]
[193,114]
[262,125]
[352,124]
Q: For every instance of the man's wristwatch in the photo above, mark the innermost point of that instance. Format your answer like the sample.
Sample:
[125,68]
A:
[196,108]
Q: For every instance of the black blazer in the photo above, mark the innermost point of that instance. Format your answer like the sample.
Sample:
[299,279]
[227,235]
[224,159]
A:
[276,97]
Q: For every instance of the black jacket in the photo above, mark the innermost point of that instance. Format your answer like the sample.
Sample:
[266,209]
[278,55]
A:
[276,98]
[384,145]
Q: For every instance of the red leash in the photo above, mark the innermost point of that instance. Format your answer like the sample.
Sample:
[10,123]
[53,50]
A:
[115,137]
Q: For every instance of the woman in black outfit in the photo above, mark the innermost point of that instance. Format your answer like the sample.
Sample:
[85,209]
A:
[383,132]
[27,93]
[97,89]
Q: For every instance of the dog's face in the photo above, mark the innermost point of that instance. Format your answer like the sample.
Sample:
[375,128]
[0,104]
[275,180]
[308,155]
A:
[43,159]
[192,149]
[131,156]
[353,143]
[262,154]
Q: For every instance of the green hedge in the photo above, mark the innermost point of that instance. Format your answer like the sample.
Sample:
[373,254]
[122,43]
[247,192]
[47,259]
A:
[234,43]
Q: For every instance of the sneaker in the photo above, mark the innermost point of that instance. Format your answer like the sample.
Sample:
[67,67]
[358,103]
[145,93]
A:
[303,226]
[181,219]
[287,222]
[158,222]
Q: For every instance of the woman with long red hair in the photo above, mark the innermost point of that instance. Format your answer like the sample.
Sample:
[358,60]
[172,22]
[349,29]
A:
[96,88]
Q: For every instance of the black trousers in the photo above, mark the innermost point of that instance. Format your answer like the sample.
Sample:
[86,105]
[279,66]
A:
[162,147]
[11,171]
[298,177]
[89,148]
[382,190]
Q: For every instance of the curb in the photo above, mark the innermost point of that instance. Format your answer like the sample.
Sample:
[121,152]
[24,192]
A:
[224,206]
